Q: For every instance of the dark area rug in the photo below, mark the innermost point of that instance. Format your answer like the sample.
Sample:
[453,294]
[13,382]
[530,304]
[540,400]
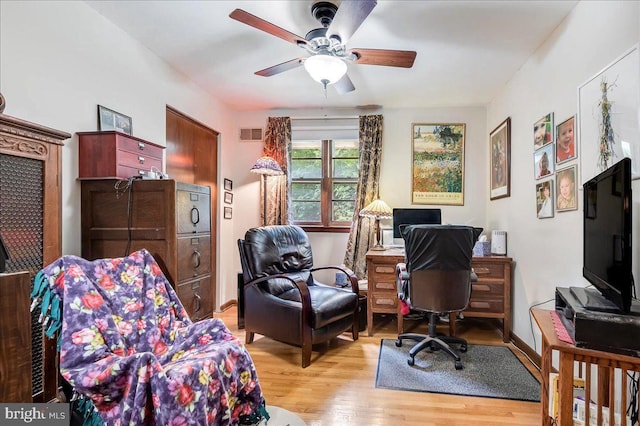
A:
[489,371]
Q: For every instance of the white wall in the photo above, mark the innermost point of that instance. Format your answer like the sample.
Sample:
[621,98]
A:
[548,253]
[55,71]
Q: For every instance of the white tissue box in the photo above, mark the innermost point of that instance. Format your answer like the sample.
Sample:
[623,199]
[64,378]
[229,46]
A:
[482,248]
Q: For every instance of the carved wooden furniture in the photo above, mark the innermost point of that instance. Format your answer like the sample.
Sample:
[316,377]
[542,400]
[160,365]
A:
[117,155]
[31,224]
[490,295]
[170,219]
[604,364]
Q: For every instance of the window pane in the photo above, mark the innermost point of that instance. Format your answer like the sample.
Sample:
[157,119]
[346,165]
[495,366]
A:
[344,191]
[345,149]
[342,211]
[312,149]
[305,191]
[306,169]
[345,168]
[306,211]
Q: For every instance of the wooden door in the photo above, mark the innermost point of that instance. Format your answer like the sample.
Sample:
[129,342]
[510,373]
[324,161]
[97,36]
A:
[192,157]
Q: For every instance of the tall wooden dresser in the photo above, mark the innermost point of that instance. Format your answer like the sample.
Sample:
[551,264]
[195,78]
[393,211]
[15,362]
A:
[170,219]
[31,227]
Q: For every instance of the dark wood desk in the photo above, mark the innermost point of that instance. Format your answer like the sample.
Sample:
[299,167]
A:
[606,363]
[490,295]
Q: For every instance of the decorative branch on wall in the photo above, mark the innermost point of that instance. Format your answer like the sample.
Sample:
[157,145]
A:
[606,131]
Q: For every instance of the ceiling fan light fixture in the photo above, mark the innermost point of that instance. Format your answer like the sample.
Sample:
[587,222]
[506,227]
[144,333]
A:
[325,69]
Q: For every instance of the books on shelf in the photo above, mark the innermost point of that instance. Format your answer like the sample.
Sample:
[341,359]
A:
[578,391]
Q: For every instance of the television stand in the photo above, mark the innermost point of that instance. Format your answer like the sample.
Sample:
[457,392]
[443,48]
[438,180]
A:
[592,300]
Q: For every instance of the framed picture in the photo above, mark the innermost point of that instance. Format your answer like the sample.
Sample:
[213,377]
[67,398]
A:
[565,140]
[566,189]
[228,212]
[228,198]
[228,184]
[543,162]
[108,119]
[437,164]
[500,146]
[544,199]
[543,131]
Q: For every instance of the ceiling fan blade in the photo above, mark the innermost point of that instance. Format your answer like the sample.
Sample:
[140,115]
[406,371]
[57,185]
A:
[390,58]
[350,15]
[344,85]
[266,26]
[277,69]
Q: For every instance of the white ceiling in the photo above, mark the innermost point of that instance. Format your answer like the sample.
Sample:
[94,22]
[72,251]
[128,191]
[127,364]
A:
[466,50]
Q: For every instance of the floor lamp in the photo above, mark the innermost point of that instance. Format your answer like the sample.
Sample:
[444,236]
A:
[266,166]
[377,210]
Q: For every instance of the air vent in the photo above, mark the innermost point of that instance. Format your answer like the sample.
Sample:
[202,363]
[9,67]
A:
[251,135]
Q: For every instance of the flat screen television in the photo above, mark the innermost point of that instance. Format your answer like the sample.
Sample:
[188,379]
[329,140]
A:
[414,217]
[607,240]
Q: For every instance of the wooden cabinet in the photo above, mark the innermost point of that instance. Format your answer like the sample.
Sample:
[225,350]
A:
[113,154]
[490,295]
[15,337]
[31,226]
[172,220]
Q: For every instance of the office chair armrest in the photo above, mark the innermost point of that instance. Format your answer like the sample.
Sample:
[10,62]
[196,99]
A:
[348,272]
[302,287]
[401,276]
[474,277]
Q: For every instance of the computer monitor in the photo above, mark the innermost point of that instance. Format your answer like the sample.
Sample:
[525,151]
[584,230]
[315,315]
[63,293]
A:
[413,217]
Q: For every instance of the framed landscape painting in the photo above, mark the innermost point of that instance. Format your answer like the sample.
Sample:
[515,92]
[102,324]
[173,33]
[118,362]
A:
[500,145]
[437,164]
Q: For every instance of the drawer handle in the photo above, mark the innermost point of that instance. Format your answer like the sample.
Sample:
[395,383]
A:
[480,271]
[195,259]
[198,301]
[195,216]
[140,159]
[388,302]
[141,146]
[481,287]
[386,269]
[483,305]
[386,286]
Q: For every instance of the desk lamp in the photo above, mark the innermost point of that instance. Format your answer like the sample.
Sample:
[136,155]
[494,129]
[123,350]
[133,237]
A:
[377,210]
[266,166]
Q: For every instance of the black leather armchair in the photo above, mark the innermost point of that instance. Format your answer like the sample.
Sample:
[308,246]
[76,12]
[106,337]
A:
[282,300]
[436,279]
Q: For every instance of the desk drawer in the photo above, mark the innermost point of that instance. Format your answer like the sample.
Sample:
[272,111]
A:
[384,302]
[493,290]
[494,306]
[488,270]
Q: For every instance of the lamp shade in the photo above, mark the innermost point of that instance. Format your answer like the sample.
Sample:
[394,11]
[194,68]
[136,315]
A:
[266,166]
[325,69]
[378,209]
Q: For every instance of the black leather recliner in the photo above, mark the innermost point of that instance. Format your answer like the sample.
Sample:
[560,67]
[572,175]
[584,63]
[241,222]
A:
[282,300]
[436,279]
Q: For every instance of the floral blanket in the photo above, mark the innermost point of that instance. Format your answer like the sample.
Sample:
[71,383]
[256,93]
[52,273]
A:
[127,344]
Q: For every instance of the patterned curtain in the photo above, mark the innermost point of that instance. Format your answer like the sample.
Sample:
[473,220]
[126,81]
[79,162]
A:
[362,231]
[277,145]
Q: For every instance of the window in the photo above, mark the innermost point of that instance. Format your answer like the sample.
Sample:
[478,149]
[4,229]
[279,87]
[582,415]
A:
[324,181]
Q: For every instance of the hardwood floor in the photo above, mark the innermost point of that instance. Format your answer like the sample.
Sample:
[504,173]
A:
[338,388]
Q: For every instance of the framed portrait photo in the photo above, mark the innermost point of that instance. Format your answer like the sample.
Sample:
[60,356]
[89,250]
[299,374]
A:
[543,131]
[228,184]
[543,164]
[109,119]
[228,213]
[500,146]
[437,164]
[544,199]
[228,198]
[565,140]
[566,189]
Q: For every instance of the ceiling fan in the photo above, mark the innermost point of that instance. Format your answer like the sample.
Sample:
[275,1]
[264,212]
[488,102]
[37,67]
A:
[328,55]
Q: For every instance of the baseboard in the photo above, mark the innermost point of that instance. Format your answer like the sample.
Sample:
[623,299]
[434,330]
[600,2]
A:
[535,358]
[231,303]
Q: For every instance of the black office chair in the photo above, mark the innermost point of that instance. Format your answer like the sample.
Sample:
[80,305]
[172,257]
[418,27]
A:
[436,279]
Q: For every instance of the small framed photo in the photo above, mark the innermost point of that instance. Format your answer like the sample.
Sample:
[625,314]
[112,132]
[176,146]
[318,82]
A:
[228,213]
[565,141]
[228,184]
[109,119]
[543,131]
[544,199]
[543,162]
[228,198]
[500,146]
[566,190]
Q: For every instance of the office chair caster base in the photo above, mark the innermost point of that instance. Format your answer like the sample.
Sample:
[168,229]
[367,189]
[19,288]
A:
[398,343]
[411,361]
[463,348]
[459,365]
